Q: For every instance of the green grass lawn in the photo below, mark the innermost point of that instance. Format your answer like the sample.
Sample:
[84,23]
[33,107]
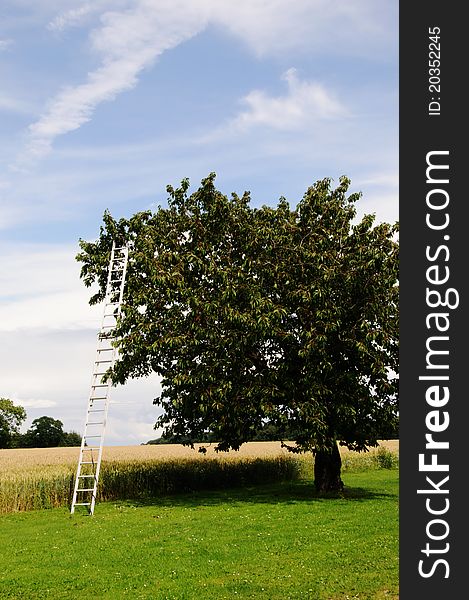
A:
[269,542]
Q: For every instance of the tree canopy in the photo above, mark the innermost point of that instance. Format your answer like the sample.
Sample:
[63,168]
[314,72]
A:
[45,432]
[11,418]
[254,315]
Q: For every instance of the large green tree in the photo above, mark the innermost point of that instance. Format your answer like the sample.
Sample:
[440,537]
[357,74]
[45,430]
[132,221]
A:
[11,418]
[278,314]
[45,432]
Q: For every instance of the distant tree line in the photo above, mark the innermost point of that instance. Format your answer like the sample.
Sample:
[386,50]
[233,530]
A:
[269,432]
[45,432]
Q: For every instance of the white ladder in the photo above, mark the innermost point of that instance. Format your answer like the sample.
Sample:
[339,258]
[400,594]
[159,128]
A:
[89,462]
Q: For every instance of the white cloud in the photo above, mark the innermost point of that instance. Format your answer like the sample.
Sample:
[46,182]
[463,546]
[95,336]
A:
[14,105]
[48,343]
[277,27]
[63,310]
[40,288]
[34,402]
[49,372]
[47,369]
[5,44]
[304,103]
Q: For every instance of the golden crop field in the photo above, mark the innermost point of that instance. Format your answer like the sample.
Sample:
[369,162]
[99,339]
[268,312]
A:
[25,459]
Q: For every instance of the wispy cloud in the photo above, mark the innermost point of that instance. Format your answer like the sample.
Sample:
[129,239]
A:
[75,17]
[5,44]
[128,42]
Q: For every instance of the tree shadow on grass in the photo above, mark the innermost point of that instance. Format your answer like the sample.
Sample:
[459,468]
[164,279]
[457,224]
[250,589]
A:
[279,493]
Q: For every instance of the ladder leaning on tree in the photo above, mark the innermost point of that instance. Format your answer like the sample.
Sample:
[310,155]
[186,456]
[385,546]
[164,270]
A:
[89,462]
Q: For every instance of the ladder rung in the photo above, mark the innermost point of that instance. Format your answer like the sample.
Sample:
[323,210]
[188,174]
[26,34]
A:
[95,435]
[95,385]
[90,475]
[97,410]
[98,398]
[85,489]
[95,423]
[82,503]
[87,462]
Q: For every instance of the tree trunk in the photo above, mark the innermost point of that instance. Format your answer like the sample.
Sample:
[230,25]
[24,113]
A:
[327,465]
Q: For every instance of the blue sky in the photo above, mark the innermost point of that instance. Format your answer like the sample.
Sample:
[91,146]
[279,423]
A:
[104,103]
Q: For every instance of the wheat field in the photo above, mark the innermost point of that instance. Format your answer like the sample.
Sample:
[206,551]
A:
[26,459]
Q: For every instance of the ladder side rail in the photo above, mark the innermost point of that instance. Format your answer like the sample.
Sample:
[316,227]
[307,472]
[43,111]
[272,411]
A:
[112,361]
[101,440]
[83,445]
[98,464]
[97,376]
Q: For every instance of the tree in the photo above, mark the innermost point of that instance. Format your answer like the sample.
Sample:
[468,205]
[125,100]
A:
[255,315]
[45,432]
[11,417]
[71,438]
